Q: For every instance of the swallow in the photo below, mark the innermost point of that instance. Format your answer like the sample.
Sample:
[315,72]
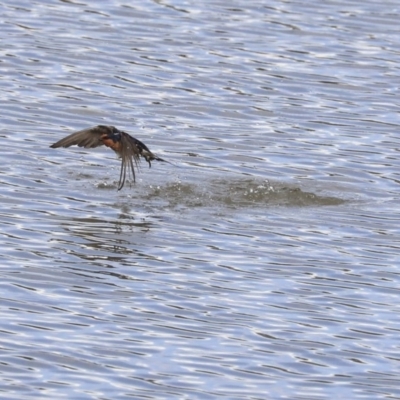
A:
[128,148]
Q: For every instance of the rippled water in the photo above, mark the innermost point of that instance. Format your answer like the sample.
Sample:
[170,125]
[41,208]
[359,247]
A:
[263,264]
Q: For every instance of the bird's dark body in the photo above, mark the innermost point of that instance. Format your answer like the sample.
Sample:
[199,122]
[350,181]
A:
[128,148]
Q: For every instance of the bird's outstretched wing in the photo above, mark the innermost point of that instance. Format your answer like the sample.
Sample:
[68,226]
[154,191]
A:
[89,138]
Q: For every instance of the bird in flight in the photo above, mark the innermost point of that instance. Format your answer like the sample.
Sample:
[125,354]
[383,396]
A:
[128,148]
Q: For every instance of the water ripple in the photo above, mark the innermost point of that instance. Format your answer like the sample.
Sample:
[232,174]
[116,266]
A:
[263,263]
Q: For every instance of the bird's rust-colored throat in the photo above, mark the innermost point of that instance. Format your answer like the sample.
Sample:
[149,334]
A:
[111,143]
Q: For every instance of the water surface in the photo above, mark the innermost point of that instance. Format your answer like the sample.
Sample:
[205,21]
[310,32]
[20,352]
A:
[264,263]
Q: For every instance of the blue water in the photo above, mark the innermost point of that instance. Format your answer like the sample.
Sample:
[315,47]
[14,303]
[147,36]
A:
[263,264]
